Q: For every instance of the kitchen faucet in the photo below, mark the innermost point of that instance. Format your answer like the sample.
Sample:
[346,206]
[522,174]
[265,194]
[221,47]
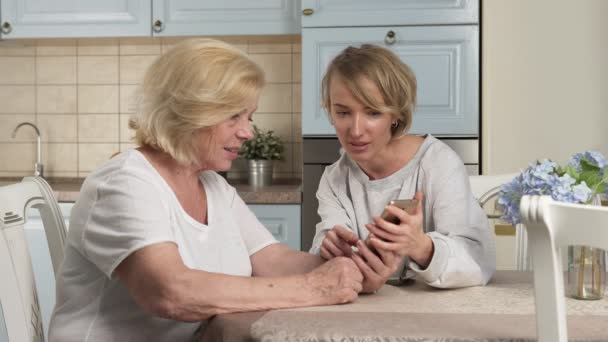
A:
[38,167]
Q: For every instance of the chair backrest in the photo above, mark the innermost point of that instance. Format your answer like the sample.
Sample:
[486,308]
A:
[552,225]
[18,293]
[486,189]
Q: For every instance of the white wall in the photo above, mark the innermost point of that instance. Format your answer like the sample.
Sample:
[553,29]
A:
[544,80]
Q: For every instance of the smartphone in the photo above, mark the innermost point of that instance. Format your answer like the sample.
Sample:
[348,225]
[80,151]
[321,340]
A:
[405,204]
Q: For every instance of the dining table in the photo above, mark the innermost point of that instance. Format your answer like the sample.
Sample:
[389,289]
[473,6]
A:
[503,310]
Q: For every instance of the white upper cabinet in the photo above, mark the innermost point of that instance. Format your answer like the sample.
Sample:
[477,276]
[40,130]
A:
[333,13]
[225,17]
[119,18]
[75,18]
[445,60]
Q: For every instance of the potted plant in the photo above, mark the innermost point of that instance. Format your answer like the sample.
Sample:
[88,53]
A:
[261,152]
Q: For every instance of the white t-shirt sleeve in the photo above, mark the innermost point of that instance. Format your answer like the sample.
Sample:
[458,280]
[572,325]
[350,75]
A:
[254,234]
[127,215]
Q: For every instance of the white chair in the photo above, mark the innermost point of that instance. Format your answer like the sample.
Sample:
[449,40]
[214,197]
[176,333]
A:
[552,225]
[486,188]
[18,288]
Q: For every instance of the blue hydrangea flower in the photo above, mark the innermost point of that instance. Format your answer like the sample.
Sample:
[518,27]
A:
[545,177]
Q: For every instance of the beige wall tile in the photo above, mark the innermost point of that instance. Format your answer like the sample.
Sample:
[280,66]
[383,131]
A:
[264,44]
[8,124]
[91,156]
[296,127]
[21,47]
[285,165]
[58,127]
[296,70]
[126,146]
[98,128]
[98,47]
[17,99]
[56,47]
[126,134]
[140,46]
[98,69]
[296,98]
[296,45]
[98,99]
[275,98]
[132,68]
[277,66]
[13,174]
[56,70]
[60,158]
[18,157]
[128,98]
[279,123]
[62,174]
[17,70]
[56,99]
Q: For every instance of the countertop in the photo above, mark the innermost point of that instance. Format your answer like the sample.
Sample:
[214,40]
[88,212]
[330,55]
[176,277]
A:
[282,191]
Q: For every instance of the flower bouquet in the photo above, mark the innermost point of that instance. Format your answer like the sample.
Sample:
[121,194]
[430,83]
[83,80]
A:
[583,180]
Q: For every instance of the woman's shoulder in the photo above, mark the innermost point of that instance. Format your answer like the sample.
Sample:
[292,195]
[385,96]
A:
[339,169]
[128,167]
[438,153]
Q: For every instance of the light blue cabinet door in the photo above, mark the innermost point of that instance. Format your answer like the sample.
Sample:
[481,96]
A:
[69,18]
[282,220]
[228,17]
[334,13]
[445,60]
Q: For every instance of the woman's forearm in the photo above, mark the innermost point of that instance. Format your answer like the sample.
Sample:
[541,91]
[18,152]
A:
[196,295]
[279,260]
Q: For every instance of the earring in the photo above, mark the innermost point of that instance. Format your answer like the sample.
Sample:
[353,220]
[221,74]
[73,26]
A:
[394,124]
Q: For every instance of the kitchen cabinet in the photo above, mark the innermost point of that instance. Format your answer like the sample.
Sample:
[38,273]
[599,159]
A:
[282,220]
[445,60]
[216,17]
[119,18]
[70,18]
[438,39]
[333,13]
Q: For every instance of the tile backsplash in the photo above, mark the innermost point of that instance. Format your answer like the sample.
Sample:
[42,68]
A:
[79,94]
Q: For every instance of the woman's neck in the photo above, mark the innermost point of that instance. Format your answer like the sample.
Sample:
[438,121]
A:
[168,167]
[393,158]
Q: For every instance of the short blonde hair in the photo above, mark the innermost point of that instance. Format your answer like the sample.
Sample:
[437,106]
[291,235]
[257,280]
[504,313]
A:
[393,78]
[197,84]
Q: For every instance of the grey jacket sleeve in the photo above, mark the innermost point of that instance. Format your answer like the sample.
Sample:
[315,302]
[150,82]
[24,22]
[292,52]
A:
[464,250]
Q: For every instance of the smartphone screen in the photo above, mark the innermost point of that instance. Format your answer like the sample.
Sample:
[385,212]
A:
[405,204]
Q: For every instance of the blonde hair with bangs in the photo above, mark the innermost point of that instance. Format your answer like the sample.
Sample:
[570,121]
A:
[393,78]
[195,85]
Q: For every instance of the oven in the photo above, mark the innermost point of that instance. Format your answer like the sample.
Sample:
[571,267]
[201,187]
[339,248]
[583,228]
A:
[319,152]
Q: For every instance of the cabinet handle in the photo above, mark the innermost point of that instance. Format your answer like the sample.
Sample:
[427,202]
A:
[390,38]
[308,11]
[158,26]
[6,27]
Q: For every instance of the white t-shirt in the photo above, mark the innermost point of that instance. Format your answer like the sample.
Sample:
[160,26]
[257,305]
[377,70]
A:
[124,206]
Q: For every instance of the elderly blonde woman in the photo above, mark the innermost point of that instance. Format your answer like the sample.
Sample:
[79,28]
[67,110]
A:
[158,241]
[446,241]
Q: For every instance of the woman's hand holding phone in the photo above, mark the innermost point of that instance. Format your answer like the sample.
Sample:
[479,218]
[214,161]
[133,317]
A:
[405,238]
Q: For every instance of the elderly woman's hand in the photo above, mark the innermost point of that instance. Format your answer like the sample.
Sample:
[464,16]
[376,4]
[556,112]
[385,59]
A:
[336,281]
[406,238]
[338,242]
[376,265]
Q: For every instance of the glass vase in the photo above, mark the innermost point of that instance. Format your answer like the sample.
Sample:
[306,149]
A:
[586,272]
